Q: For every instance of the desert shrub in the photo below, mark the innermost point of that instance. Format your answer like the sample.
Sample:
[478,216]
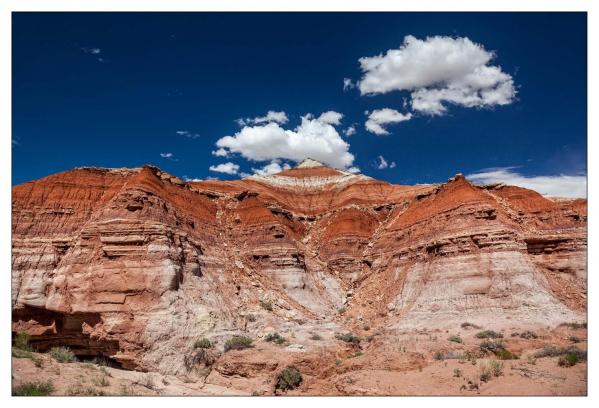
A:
[568,360]
[289,379]
[574,325]
[275,338]
[496,368]
[439,355]
[467,325]
[20,353]
[549,351]
[81,391]
[250,318]
[485,373]
[348,338]
[22,341]
[492,346]
[238,343]
[575,339]
[100,381]
[33,389]
[356,354]
[202,343]
[315,337]
[488,334]
[449,355]
[62,354]
[266,305]
[553,351]
[457,372]
[455,339]
[528,335]
[504,354]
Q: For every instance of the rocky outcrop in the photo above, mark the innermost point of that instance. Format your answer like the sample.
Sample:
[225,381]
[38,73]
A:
[134,264]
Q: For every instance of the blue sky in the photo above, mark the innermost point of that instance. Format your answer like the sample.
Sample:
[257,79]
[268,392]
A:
[124,89]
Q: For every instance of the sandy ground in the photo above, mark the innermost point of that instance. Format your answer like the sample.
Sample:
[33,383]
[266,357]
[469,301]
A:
[391,364]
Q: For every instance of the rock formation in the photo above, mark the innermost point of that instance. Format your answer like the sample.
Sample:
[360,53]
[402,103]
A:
[134,264]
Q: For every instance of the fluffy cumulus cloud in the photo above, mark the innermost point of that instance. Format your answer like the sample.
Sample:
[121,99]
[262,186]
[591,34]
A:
[331,117]
[380,117]
[437,71]
[273,167]
[227,168]
[556,186]
[383,164]
[314,137]
[271,116]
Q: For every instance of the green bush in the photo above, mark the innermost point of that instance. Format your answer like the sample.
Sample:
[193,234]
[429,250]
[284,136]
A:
[22,341]
[348,338]
[275,338]
[33,389]
[568,360]
[455,339]
[238,343]
[289,379]
[488,334]
[62,354]
[504,354]
[203,343]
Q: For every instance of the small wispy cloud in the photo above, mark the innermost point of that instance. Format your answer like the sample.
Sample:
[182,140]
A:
[168,156]
[93,51]
[349,131]
[348,84]
[188,134]
[383,164]
[574,186]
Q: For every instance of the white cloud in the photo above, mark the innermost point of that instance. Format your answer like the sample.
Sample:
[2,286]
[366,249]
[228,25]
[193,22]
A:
[166,155]
[191,178]
[270,117]
[350,130]
[331,117]
[436,71]
[354,169]
[348,84]
[188,134]
[273,167]
[556,186]
[380,117]
[227,168]
[383,164]
[220,152]
[312,138]
[94,51]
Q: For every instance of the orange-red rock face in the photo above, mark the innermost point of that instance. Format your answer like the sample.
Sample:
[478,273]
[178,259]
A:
[132,264]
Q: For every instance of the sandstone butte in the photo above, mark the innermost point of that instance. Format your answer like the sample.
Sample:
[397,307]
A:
[134,265]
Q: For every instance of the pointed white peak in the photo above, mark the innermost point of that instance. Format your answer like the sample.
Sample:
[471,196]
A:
[307,163]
